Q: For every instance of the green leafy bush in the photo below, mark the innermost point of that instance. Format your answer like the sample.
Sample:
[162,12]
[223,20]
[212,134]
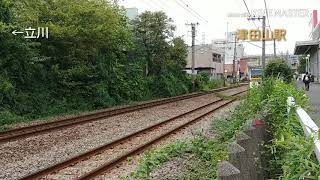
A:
[205,83]
[7,117]
[290,153]
[279,69]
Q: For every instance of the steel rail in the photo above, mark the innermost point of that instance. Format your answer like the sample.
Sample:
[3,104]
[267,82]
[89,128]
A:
[107,166]
[28,131]
[102,148]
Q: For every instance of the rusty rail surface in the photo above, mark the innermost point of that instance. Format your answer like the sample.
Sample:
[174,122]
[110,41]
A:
[96,151]
[27,131]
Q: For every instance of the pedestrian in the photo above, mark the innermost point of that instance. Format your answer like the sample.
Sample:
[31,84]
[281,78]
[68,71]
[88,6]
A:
[306,80]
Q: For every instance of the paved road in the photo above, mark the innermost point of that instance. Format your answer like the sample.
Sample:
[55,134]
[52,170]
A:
[314,94]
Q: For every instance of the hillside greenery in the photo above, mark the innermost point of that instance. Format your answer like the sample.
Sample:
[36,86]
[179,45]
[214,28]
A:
[94,58]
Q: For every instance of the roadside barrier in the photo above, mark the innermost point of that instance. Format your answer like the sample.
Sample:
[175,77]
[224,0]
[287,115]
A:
[309,126]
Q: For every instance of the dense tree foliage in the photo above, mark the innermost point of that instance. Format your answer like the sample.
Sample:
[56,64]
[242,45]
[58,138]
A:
[278,68]
[93,58]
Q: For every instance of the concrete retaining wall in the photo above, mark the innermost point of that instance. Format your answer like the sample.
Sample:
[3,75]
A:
[245,162]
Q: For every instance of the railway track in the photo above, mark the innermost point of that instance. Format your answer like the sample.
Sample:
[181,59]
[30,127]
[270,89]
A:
[28,131]
[99,160]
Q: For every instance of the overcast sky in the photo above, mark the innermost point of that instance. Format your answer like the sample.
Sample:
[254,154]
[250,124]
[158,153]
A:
[216,12]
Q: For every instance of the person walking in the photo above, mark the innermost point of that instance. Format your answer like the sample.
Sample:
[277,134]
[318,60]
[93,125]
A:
[306,80]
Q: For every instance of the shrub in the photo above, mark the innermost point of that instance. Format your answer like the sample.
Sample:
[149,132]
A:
[204,82]
[167,85]
[278,68]
[7,117]
[290,154]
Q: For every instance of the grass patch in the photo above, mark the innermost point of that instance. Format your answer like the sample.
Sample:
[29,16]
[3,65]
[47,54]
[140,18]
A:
[290,154]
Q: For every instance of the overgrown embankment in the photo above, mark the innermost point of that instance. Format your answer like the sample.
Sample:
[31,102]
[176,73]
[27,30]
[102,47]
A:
[93,58]
[289,154]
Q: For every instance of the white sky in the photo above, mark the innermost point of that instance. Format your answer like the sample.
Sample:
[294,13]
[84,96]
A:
[216,12]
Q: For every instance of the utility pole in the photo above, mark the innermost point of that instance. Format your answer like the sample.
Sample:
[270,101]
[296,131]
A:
[263,42]
[263,56]
[274,48]
[193,47]
[234,58]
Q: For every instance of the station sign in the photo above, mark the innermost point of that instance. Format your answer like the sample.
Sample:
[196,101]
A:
[258,35]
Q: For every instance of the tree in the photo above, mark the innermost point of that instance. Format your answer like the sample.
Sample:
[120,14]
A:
[92,59]
[16,54]
[278,68]
[178,53]
[83,64]
[86,46]
[152,32]
[302,64]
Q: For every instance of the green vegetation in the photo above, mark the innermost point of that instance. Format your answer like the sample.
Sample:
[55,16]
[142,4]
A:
[94,58]
[204,82]
[302,64]
[290,153]
[204,152]
[278,68]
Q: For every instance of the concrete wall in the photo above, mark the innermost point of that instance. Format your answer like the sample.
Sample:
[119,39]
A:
[245,155]
[314,64]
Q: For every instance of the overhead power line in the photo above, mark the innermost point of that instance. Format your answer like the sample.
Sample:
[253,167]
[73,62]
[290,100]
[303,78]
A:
[274,41]
[149,4]
[253,44]
[166,6]
[183,6]
[188,6]
[267,14]
[158,5]
[249,13]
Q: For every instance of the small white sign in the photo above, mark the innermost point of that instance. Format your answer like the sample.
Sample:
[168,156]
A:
[33,33]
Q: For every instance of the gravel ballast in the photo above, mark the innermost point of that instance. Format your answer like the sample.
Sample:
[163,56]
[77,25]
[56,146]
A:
[21,157]
[173,167]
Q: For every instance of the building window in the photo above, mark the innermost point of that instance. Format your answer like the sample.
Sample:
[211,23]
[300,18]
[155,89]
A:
[216,57]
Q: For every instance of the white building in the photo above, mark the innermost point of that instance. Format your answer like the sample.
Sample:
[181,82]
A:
[228,46]
[208,59]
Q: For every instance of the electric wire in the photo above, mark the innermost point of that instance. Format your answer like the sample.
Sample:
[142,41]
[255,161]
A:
[267,14]
[149,4]
[190,12]
[249,13]
[158,5]
[188,6]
